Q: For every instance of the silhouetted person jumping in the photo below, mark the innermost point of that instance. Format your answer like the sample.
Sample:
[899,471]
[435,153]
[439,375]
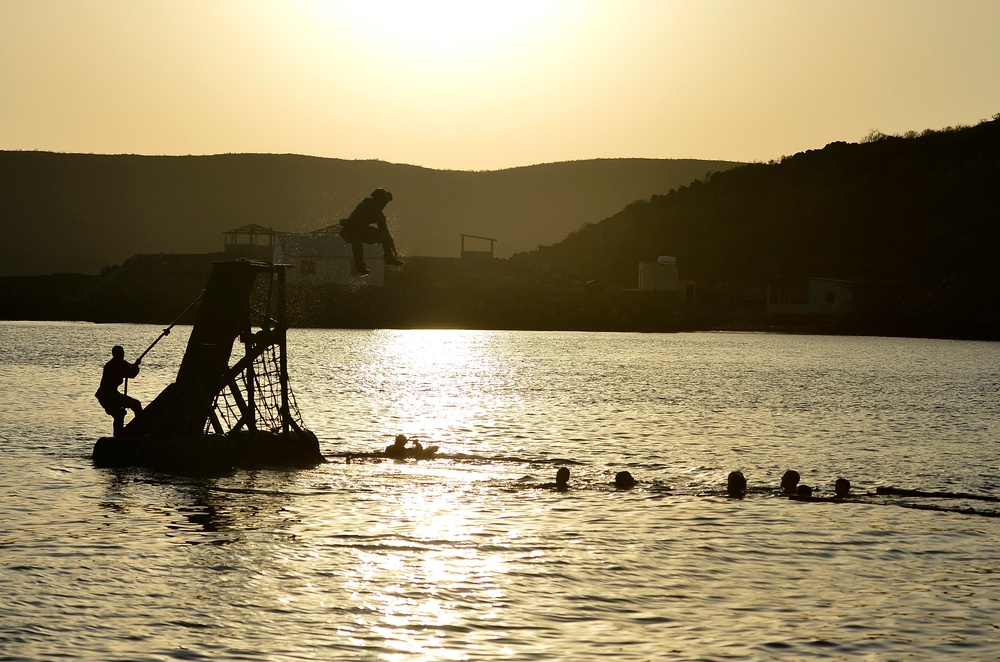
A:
[366,225]
[116,371]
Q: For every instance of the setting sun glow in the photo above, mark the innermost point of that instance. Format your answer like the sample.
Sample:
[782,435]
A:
[443,35]
[488,85]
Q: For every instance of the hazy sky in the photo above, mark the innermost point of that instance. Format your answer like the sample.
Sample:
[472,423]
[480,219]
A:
[487,85]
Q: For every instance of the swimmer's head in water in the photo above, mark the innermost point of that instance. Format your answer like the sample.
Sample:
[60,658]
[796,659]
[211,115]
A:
[624,480]
[562,476]
[789,481]
[736,484]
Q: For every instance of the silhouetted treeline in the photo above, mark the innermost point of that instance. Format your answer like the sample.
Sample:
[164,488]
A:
[920,211]
[82,212]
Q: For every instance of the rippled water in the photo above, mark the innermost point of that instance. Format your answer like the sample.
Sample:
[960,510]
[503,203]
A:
[471,556]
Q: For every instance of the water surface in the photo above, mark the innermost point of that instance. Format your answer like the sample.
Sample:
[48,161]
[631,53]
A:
[471,556]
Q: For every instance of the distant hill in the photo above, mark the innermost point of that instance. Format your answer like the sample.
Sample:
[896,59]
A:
[77,213]
[921,207]
[912,219]
[920,212]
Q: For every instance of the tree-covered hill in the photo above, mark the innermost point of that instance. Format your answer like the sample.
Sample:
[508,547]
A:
[922,209]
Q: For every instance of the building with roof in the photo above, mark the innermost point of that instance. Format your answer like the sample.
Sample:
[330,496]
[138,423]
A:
[811,297]
[323,258]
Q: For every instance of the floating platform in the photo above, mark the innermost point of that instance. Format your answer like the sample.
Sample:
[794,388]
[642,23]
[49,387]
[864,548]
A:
[211,453]
[216,416]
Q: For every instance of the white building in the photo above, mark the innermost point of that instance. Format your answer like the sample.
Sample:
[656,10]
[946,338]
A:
[660,275]
[811,296]
[323,258]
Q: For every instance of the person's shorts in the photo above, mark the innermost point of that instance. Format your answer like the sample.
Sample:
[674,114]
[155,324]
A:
[116,403]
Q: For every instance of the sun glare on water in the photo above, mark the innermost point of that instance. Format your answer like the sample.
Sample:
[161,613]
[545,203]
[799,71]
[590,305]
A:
[436,371]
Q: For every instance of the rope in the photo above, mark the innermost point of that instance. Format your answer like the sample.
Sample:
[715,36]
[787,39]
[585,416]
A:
[166,332]
[266,383]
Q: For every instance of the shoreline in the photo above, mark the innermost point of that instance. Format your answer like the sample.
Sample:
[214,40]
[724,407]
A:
[448,293]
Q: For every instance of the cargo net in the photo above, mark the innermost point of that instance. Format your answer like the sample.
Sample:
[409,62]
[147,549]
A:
[256,405]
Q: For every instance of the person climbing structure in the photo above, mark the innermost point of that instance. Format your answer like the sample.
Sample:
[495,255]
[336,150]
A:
[116,371]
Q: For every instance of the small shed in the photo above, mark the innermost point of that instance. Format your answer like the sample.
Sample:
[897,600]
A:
[660,275]
[323,258]
[811,296]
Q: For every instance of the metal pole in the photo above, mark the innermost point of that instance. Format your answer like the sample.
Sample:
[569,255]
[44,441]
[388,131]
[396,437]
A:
[166,332]
[282,349]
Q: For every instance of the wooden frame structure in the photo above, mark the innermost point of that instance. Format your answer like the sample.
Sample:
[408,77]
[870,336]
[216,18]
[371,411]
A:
[247,241]
[477,254]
